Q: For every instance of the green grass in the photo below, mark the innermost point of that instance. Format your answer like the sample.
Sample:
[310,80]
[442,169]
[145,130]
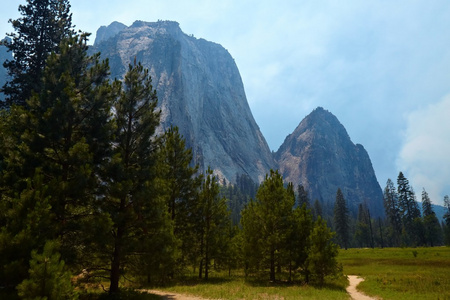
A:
[221,286]
[400,273]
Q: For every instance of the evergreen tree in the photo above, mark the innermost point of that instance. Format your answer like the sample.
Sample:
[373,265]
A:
[181,188]
[433,231]
[317,210]
[299,242]
[303,198]
[362,234]
[49,278]
[266,223]
[446,221]
[41,29]
[341,220]
[409,211]
[133,201]
[392,209]
[323,252]
[57,148]
[213,223]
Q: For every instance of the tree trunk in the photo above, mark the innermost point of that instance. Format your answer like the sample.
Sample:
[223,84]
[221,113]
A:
[115,262]
[272,265]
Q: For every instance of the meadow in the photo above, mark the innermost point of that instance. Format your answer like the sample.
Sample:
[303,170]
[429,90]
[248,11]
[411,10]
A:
[400,273]
[390,273]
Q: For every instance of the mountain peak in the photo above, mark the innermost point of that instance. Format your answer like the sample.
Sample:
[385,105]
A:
[320,155]
[199,90]
[106,32]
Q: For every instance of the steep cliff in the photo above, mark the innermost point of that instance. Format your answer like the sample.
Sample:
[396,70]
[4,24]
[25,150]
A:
[320,155]
[199,90]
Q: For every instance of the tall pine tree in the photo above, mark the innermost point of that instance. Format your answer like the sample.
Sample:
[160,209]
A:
[409,210]
[341,220]
[133,200]
[392,209]
[41,29]
[266,224]
[433,231]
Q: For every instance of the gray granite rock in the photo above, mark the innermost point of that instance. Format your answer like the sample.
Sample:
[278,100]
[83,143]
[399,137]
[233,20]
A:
[320,155]
[199,90]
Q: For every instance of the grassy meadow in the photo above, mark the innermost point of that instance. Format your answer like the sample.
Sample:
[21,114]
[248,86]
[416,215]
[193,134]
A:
[400,273]
[390,273]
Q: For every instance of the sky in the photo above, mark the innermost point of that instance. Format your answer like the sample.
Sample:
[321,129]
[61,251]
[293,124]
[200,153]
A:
[381,67]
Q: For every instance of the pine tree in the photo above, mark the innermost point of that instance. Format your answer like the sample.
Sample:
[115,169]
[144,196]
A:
[48,276]
[266,224]
[58,146]
[213,223]
[392,209]
[317,210]
[299,242]
[303,198]
[446,220]
[362,234]
[181,188]
[133,200]
[433,231]
[323,252]
[341,220]
[41,29]
[409,210]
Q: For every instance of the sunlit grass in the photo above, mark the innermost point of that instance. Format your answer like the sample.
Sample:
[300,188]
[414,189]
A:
[221,286]
[400,273]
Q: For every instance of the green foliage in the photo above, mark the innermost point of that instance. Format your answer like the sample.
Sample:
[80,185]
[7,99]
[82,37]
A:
[266,224]
[134,201]
[48,277]
[341,220]
[39,32]
[322,258]
[213,223]
[392,208]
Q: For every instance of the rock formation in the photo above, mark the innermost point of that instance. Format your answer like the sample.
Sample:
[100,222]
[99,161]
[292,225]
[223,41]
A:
[320,155]
[105,32]
[199,90]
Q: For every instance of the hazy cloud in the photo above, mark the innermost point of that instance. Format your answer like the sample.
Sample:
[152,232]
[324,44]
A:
[424,156]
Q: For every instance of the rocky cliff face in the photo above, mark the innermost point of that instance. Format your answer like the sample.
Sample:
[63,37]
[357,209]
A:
[320,155]
[199,90]
[106,32]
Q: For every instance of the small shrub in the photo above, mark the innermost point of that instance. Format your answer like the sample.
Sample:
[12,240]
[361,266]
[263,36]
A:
[49,278]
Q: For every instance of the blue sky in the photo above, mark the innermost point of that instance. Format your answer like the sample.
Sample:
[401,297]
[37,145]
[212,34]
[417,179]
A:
[382,67]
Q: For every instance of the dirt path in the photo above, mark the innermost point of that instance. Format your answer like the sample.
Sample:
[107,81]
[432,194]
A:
[351,289]
[172,296]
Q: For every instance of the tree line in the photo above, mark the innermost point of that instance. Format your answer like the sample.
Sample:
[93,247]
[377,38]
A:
[406,223]
[90,193]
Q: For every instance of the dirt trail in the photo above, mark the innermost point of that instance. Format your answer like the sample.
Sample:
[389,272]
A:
[351,289]
[172,296]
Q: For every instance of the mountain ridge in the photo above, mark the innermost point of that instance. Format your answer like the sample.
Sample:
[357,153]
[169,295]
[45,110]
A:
[320,155]
[200,90]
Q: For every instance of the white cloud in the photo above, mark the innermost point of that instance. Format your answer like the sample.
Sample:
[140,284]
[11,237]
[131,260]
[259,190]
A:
[425,157]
